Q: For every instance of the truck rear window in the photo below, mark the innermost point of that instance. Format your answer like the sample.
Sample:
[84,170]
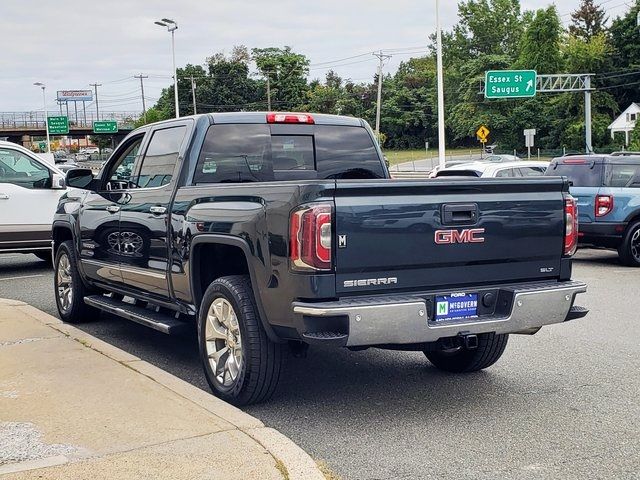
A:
[235,153]
[581,174]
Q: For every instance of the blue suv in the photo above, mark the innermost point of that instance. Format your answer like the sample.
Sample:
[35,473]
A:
[607,189]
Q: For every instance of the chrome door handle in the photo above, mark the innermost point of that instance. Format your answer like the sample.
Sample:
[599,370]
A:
[4,196]
[157,210]
[113,209]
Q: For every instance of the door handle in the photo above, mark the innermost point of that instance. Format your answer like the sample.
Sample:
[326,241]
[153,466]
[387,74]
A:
[157,210]
[4,196]
[113,209]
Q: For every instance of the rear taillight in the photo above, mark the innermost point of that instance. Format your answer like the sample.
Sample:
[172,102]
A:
[604,205]
[310,238]
[290,118]
[570,225]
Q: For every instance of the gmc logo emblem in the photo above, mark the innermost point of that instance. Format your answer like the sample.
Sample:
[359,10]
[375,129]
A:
[468,235]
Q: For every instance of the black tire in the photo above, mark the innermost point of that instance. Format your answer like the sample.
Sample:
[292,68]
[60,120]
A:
[76,311]
[262,359]
[45,256]
[461,360]
[629,250]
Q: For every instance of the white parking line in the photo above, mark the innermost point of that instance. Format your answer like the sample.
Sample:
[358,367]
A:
[19,278]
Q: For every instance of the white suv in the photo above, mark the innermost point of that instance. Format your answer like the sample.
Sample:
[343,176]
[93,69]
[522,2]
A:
[29,193]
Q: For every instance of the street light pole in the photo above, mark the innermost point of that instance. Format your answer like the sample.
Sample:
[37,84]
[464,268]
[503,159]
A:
[44,104]
[441,132]
[172,26]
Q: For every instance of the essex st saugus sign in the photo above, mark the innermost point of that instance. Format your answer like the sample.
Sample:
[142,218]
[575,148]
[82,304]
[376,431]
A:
[510,83]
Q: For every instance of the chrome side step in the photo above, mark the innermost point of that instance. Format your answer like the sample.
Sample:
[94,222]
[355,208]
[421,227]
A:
[158,321]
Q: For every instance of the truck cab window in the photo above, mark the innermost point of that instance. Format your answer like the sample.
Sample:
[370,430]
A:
[19,169]
[235,154]
[161,157]
[121,171]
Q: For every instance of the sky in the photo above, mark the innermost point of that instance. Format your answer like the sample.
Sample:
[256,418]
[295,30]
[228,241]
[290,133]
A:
[69,44]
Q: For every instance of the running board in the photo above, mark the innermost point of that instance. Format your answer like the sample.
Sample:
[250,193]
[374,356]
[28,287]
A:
[158,321]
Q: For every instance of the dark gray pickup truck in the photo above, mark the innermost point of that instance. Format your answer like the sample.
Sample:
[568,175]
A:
[273,231]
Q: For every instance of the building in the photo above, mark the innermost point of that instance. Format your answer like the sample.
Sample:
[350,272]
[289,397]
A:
[626,122]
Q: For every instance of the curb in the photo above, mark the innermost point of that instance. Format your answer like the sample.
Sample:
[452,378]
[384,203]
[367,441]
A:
[298,464]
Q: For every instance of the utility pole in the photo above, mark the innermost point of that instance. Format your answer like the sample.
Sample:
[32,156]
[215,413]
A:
[193,95]
[144,107]
[587,115]
[441,132]
[95,87]
[381,57]
[268,92]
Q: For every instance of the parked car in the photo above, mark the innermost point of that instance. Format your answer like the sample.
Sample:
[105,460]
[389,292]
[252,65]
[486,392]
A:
[89,150]
[261,229]
[488,169]
[607,188]
[29,192]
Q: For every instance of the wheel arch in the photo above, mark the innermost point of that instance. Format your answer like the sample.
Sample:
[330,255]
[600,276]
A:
[237,255]
[60,232]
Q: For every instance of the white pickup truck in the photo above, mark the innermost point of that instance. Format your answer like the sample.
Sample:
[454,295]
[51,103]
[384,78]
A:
[29,192]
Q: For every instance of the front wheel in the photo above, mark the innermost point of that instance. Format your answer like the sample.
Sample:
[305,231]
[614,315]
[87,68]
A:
[629,251]
[69,288]
[241,364]
[460,360]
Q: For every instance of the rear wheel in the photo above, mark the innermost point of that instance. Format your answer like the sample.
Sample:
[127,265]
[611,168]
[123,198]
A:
[241,364]
[629,251]
[460,360]
[69,287]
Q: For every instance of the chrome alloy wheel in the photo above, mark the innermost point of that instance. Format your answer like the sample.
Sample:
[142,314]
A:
[64,283]
[223,342]
[635,245]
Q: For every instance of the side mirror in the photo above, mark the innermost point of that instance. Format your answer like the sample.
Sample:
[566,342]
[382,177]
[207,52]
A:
[79,178]
[57,182]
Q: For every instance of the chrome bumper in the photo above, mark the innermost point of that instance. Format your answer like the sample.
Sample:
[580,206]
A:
[406,319]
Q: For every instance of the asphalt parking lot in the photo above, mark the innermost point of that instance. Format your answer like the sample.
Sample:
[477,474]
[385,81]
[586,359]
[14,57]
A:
[561,404]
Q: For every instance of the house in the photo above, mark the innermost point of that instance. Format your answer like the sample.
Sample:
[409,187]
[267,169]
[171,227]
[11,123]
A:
[626,122]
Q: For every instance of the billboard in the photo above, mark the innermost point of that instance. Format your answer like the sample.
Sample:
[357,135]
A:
[75,95]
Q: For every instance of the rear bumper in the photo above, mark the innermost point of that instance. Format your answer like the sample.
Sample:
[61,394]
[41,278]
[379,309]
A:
[408,319]
[606,234]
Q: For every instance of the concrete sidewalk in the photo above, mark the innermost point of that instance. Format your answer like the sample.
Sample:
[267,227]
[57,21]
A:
[74,407]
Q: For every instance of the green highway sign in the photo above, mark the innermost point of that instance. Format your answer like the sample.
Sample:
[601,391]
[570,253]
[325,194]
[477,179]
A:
[105,126]
[510,83]
[42,146]
[58,125]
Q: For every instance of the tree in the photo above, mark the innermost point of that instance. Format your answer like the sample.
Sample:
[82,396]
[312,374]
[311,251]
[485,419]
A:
[490,27]
[101,141]
[286,71]
[540,45]
[625,40]
[635,138]
[588,21]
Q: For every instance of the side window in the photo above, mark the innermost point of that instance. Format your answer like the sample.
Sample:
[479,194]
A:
[623,176]
[161,157]
[531,171]
[507,172]
[235,153]
[19,169]
[121,171]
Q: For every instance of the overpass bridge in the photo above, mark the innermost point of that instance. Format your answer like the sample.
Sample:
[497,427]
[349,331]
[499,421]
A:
[23,127]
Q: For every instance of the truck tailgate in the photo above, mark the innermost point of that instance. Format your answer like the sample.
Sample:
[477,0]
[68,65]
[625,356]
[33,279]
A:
[447,233]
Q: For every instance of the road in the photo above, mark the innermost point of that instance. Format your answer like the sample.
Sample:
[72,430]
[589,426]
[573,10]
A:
[561,404]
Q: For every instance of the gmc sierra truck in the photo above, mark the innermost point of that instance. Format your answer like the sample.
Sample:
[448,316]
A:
[273,231]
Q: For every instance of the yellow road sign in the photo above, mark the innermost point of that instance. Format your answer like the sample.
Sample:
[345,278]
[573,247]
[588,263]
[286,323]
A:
[483,133]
